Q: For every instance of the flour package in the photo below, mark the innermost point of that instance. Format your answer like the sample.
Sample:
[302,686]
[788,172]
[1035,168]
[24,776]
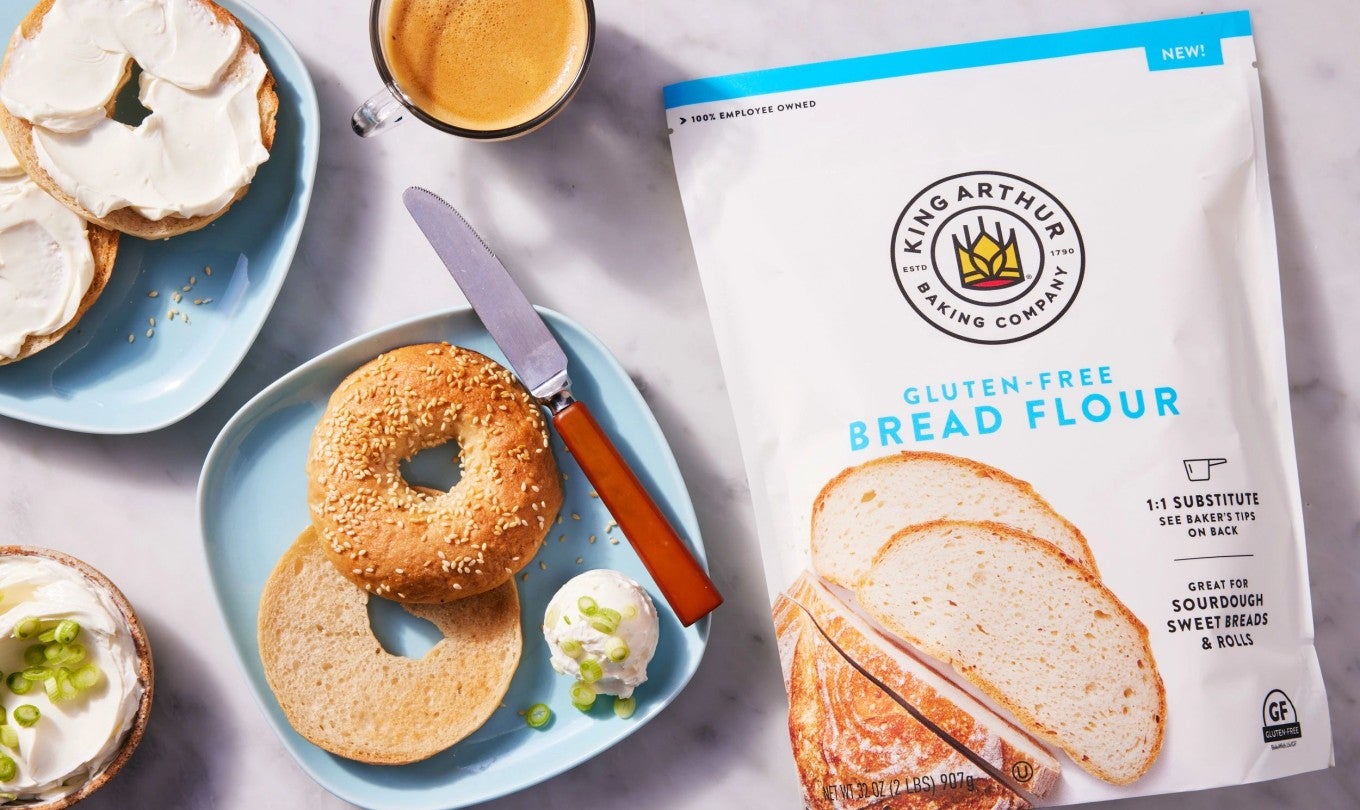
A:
[1001,326]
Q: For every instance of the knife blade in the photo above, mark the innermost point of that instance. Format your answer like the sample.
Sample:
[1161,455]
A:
[540,363]
[972,756]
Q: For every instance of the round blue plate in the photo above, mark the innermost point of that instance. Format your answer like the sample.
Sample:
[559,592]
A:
[252,499]
[94,380]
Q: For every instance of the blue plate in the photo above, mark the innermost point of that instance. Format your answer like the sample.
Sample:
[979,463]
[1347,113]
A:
[252,499]
[93,380]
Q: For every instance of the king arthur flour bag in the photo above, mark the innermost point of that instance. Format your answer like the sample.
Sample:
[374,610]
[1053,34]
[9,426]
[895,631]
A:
[1001,324]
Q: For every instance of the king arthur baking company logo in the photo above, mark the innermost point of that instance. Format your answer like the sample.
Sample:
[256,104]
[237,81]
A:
[987,257]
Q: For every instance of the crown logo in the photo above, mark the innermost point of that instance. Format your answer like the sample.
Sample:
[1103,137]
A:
[988,262]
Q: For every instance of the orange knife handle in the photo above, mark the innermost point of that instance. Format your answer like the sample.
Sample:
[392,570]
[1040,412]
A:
[678,574]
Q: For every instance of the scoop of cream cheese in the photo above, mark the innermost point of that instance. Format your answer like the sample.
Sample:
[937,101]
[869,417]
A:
[200,145]
[46,265]
[638,628]
[75,739]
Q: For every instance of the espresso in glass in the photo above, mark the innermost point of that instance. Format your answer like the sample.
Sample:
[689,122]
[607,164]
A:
[486,66]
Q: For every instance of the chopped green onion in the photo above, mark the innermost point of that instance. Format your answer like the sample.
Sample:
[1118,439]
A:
[35,655]
[587,605]
[48,636]
[538,715]
[18,684]
[9,738]
[66,631]
[630,612]
[75,653]
[582,696]
[611,614]
[3,720]
[26,715]
[591,671]
[617,650]
[38,673]
[572,648]
[59,687]
[86,677]
[27,628]
[52,652]
[566,619]
[624,707]
[604,624]
[8,770]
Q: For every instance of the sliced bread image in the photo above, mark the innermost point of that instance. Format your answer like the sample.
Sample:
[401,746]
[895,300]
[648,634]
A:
[858,510]
[955,712]
[1031,628]
[855,747]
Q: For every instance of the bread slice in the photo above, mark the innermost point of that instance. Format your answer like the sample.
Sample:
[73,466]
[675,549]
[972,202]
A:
[104,248]
[343,692]
[949,707]
[855,747]
[19,134]
[1032,629]
[858,510]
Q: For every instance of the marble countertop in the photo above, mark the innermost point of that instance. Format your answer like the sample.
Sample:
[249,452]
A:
[588,212]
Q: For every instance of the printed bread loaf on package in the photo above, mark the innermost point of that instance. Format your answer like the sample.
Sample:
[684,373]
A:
[1001,323]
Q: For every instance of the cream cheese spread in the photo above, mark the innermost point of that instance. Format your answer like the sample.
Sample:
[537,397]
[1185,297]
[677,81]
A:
[76,738]
[197,149]
[573,638]
[46,265]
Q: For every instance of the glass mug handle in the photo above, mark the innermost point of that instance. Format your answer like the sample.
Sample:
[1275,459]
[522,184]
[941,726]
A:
[380,113]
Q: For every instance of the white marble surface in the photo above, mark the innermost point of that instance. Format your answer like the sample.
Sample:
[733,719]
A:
[587,212]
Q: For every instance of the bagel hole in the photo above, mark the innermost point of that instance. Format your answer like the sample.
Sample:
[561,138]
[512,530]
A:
[127,107]
[434,468]
[399,632]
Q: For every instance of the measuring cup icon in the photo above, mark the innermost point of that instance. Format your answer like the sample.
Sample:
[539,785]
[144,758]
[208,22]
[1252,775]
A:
[1197,469]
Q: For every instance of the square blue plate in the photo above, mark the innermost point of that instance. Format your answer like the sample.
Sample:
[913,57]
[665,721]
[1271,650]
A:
[252,499]
[93,380]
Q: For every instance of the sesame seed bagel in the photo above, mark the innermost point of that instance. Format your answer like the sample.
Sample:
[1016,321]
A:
[19,133]
[413,544]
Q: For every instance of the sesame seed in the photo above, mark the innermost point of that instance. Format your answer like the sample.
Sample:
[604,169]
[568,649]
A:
[592,539]
[207,271]
[176,297]
[580,560]
[594,494]
[150,332]
[131,337]
[575,516]
[543,566]
[152,294]
[613,541]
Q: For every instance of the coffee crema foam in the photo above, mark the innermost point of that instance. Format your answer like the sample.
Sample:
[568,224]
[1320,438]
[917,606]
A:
[485,64]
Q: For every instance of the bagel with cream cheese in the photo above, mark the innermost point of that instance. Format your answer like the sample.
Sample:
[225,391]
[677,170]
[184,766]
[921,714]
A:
[53,265]
[343,692]
[212,100]
[413,544]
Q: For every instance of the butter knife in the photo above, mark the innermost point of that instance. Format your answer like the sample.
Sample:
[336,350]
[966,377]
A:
[541,365]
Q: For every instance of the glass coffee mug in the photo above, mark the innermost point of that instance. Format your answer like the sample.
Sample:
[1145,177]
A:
[484,69]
